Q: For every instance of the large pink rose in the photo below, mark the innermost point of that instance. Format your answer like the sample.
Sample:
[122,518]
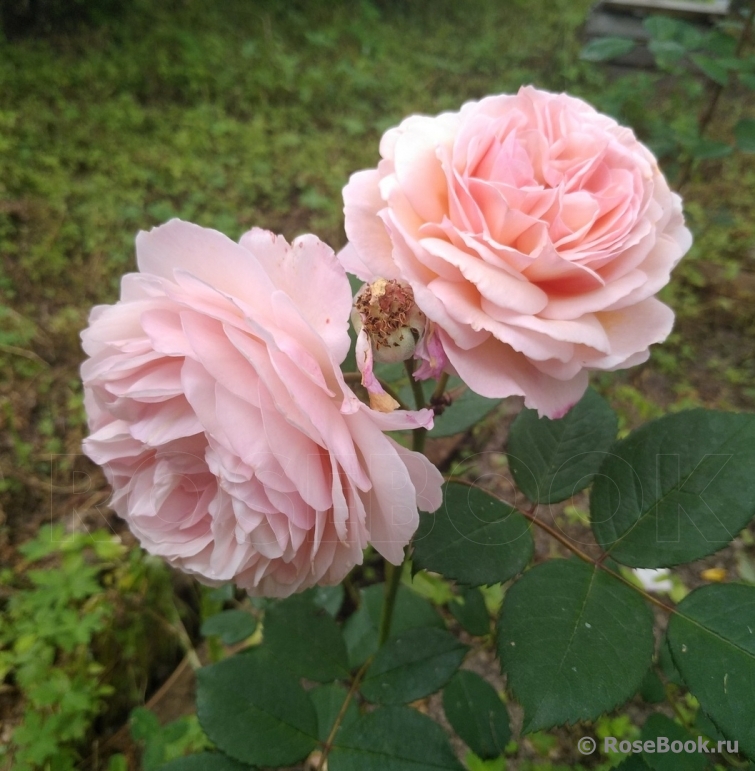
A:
[219,413]
[533,231]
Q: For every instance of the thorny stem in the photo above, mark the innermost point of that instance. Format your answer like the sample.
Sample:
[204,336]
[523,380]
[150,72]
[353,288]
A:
[715,96]
[341,712]
[531,515]
[597,563]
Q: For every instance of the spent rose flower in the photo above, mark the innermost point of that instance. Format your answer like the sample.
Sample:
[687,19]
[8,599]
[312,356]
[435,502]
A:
[534,232]
[389,328]
[222,420]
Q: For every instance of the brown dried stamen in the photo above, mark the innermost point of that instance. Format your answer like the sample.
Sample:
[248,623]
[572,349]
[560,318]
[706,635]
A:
[384,307]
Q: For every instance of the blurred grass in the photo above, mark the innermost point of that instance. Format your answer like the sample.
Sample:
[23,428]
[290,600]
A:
[231,115]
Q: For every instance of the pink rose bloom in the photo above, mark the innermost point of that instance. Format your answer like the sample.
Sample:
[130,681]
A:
[220,415]
[533,231]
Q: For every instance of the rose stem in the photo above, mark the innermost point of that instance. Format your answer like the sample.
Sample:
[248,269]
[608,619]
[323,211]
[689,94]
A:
[531,515]
[393,572]
[440,388]
[392,581]
[418,440]
[715,94]
[342,713]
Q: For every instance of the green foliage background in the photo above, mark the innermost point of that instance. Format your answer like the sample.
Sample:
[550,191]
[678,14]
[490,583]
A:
[246,113]
[232,115]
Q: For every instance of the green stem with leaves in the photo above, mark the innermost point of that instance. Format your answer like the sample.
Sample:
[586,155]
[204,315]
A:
[393,573]
[598,563]
[355,683]
[716,91]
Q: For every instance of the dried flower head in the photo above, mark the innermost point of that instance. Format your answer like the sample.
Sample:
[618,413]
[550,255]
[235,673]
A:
[387,313]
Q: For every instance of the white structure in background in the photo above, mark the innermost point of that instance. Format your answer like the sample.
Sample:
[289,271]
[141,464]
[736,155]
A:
[624,19]
[654,580]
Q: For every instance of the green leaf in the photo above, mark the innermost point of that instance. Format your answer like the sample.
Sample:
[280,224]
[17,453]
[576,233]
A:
[349,364]
[412,665]
[652,690]
[205,761]
[117,762]
[256,713]
[473,538]
[231,626]
[49,539]
[657,726]
[707,149]
[676,489]
[712,641]
[393,739]
[712,68]
[667,53]
[306,640]
[222,593]
[466,410]
[719,43]
[744,133]
[633,763]
[475,763]
[477,714]
[737,65]
[661,27]
[361,629]
[603,49]
[328,700]
[666,663]
[431,586]
[573,641]
[329,598]
[551,460]
[471,612]
[665,29]
[747,79]
[143,724]
[707,727]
